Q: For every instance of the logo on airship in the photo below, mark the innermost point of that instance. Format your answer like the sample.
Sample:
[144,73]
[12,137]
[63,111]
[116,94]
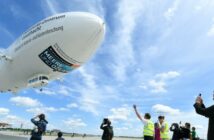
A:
[54,61]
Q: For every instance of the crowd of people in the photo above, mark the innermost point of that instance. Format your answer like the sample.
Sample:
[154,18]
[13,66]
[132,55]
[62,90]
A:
[160,129]
[152,131]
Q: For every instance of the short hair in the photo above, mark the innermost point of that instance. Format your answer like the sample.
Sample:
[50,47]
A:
[193,128]
[148,116]
[59,134]
[188,125]
[161,117]
[42,116]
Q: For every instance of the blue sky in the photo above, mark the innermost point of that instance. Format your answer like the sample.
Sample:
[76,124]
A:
[156,54]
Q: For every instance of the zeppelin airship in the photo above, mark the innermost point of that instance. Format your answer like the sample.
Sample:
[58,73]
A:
[50,49]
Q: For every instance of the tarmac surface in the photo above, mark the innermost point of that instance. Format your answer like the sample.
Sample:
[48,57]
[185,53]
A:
[16,136]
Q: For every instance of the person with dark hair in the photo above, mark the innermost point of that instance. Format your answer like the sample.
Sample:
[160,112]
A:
[40,127]
[164,128]
[185,131]
[157,131]
[148,131]
[60,136]
[207,112]
[108,132]
[176,131]
[193,133]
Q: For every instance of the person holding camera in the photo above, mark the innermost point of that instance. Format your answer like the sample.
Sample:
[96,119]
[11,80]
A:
[108,133]
[207,112]
[185,131]
[40,127]
[148,131]
[176,131]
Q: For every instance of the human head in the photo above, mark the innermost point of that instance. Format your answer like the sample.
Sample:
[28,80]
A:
[156,125]
[147,116]
[161,119]
[42,116]
[59,134]
[187,125]
[175,125]
[193,128]
[106,121]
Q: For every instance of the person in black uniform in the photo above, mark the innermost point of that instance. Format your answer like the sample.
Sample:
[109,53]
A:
[207,112]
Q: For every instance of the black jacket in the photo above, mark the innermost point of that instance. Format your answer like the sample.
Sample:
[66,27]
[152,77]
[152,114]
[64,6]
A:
[209,113]
[107,132]
[176,133]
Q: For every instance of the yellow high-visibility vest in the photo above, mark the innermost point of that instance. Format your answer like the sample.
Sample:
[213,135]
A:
[148,129]
[165,133]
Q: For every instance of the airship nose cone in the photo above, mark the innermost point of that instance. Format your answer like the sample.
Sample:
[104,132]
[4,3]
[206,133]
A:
[84,33]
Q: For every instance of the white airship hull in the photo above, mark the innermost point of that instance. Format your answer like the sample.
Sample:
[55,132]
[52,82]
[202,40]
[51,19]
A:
[53,47]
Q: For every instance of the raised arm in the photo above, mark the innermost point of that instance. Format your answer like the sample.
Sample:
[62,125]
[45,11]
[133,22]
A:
[136,112]
[202,110]
[207,112]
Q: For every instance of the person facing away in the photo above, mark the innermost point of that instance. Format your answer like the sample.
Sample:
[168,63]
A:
[157,131]
[108,132]
[40,127]
[185,132]
[148,131]
[176,131]
[60,136]
[164,128]
[207,112]
[193,133]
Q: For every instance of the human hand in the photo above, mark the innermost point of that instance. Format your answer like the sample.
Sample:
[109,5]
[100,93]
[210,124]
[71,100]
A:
[199,100]
[134,106]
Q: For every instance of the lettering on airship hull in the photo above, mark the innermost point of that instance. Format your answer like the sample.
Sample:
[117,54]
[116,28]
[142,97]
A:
[54,61]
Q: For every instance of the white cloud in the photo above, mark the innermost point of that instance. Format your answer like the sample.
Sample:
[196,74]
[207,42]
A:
[121,113]
[7,33]
[157,86]
[25,101]
[16,121]
[50,7]
[45,110]
[159,83]
[211,31]
[122,50]
[72,105]
[74,122]
[170,13]
[90,96]
[121,128]
[59,90]
[4,111]
[162,109]
[18,12]
[168,75]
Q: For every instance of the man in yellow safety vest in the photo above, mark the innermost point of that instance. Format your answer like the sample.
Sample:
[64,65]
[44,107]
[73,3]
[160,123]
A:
[148,131]
[164,129]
